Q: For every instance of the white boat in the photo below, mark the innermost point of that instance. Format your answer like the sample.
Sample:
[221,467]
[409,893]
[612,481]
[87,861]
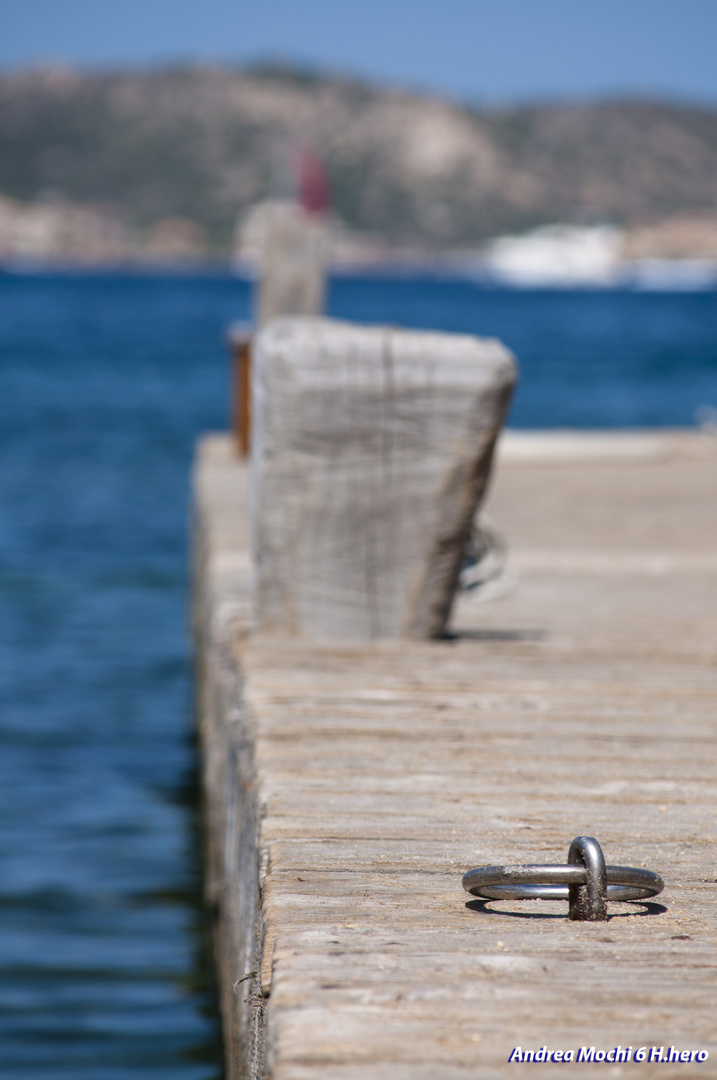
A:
[557,256]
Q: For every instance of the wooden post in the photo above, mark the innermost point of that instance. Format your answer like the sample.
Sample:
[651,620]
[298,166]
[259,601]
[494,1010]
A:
[293,270]
[292,282]
[239,337]
[371,452]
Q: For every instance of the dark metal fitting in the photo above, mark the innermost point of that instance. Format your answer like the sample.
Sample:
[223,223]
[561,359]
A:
[584,881]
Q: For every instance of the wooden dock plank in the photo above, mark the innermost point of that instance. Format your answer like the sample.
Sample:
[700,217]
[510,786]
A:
[584,701]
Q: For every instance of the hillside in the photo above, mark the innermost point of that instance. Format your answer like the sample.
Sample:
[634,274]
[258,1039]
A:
[197,144]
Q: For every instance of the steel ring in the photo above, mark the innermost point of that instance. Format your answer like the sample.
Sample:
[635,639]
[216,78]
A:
[554,881]
[551,882]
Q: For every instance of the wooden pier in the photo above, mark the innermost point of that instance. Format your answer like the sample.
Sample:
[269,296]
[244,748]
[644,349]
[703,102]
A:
[349,785]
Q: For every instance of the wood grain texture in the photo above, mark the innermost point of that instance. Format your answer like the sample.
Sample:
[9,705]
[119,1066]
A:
[221,610]
[371,451]
[583,702]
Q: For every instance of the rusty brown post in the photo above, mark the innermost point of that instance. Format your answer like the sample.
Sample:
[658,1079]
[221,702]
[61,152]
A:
[239,337]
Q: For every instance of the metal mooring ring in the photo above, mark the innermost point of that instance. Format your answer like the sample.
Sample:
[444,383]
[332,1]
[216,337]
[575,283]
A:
[584,881]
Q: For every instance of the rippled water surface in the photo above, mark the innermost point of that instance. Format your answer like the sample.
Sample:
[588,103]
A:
[105,383]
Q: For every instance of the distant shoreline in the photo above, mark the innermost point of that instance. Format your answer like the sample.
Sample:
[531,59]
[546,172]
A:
[678,276]
[168,160]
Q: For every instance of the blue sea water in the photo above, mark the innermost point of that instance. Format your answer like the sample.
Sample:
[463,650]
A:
[105,384]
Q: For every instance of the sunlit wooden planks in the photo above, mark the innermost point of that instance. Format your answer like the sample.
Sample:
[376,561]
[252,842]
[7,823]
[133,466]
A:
[584,701]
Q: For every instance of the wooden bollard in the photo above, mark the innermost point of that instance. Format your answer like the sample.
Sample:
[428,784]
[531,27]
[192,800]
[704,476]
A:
[293,263]
[371,451]
[292,282]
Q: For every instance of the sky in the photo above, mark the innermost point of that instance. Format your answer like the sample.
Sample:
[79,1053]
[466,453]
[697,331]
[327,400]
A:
[489,51]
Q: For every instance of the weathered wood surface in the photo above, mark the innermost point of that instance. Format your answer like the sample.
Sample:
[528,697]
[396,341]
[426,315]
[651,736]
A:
[221,611]
[375,774]
[293,263]
[371,451]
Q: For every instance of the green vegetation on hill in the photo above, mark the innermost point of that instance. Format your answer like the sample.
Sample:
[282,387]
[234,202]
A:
[198,143]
